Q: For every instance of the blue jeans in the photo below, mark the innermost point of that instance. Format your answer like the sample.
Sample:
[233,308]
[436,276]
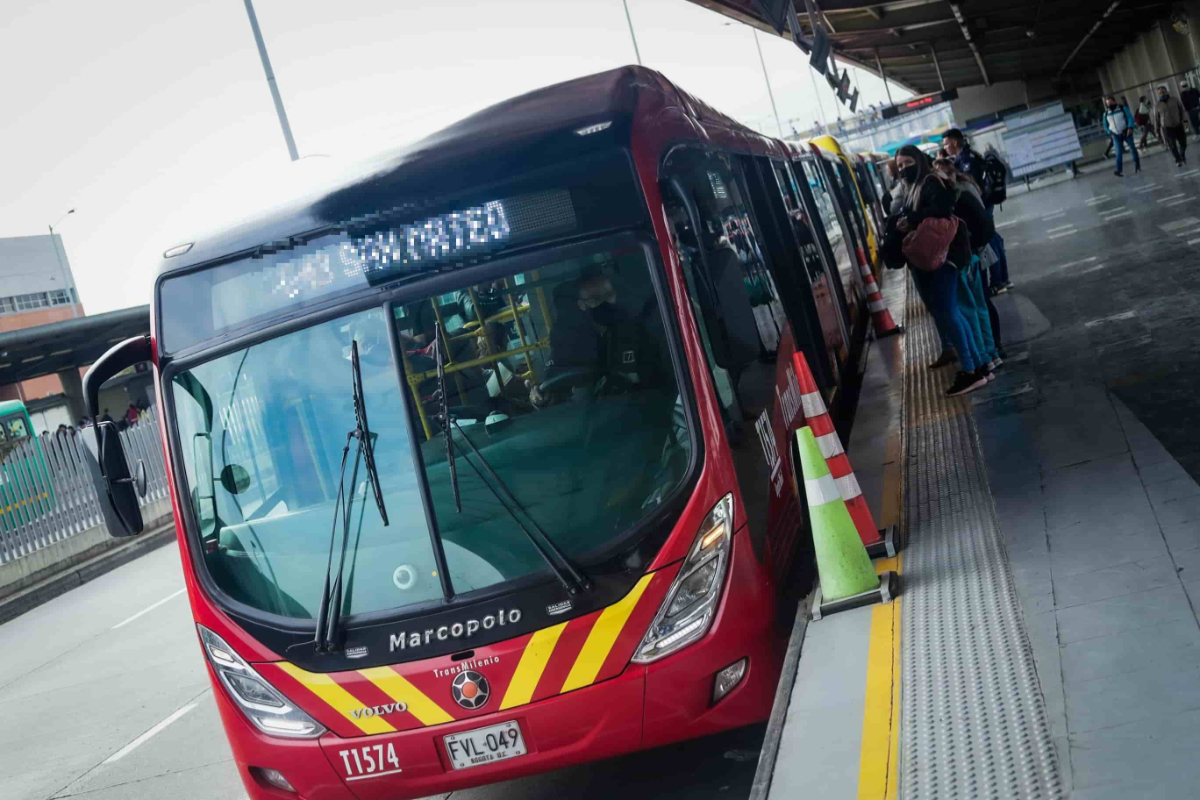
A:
[939,291]
[972,305]
[1121,151]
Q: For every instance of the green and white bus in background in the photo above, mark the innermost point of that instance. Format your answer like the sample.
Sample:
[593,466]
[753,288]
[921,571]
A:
[25,488]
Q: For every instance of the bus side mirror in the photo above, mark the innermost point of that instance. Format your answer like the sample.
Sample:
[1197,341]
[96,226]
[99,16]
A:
[112,479]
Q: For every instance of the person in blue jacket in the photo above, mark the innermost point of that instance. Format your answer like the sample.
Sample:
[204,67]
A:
[1118,123]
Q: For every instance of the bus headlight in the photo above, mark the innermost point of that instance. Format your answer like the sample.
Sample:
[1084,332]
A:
[687,612]
[263,705]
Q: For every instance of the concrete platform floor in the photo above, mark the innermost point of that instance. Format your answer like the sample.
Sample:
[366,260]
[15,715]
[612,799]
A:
[1093,451]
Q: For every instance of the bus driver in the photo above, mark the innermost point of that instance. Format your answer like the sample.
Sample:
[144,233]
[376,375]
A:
[595,340]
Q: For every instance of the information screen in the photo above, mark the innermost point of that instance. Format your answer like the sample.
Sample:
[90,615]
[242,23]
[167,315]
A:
[1041,139]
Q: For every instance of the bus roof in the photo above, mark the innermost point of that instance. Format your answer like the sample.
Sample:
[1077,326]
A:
[8,406]
[514,136]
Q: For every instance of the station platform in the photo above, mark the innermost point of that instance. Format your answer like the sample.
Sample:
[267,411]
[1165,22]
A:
[1045,643]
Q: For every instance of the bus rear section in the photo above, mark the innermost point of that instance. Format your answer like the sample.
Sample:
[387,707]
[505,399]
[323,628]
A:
[492,481]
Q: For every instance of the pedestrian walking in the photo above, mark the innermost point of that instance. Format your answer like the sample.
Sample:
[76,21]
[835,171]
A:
[1118,124]
[1142,118]
[1169,114]
[1190,97]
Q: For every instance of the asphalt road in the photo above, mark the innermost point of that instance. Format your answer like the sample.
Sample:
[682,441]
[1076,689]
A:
[88,680]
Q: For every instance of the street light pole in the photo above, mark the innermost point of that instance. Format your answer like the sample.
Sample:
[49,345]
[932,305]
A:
[767,78]
[628,19]
[71,295]
[266,62]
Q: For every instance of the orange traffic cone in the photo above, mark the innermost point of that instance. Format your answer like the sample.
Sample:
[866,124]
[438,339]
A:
[880,316]
[878,542]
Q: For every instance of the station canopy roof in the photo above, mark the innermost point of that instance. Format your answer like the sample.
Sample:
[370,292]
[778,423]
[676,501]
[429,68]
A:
[70,344]
[1013,40]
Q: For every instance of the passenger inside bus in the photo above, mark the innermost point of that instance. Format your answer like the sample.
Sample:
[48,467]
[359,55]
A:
[598,344]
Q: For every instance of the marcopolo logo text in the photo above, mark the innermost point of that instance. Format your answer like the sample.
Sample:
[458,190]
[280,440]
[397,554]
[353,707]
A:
[405,640]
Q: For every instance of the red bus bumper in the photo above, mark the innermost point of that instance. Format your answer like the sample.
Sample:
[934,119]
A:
[643,707]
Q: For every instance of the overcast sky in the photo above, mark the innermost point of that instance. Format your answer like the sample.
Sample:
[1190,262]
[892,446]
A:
[153,118]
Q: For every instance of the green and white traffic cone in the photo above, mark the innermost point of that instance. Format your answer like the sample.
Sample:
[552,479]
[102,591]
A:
[847,577]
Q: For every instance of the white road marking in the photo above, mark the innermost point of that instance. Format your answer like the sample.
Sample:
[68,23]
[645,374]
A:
[1064,233]
[1118,216]
[1177,202]
[1099,199]
[1172,197]
[1060,228]
[1055,215]
[1147,187]
[129,748]
[1113,210]
[1010,223]
[1114,318]
[147,610]
[1189,172]
[1193,241]
[1183,222]
[1141,340]
[1077,263]
[1092,269]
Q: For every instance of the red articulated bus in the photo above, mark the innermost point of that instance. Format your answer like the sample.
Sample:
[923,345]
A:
[480,457]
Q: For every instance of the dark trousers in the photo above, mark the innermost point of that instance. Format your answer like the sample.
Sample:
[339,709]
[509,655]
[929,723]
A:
[1194,116]
[1177,141]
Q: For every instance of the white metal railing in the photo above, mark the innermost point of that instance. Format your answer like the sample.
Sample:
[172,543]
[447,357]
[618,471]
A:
[47,492]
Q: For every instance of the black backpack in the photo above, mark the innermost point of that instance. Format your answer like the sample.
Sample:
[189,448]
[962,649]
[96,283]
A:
[995,180]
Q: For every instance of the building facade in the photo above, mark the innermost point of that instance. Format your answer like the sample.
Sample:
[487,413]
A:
[36,288]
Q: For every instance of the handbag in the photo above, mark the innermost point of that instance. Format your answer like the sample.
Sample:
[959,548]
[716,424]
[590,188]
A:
[988,257]
[926,248]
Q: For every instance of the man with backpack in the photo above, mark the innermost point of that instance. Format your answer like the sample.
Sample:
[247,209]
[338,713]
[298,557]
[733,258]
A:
[1118,124]
[991,174]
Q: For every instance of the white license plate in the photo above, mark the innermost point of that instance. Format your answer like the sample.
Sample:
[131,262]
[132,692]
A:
[485,745]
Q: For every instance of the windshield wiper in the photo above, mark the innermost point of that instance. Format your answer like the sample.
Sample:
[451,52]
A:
[566,573]
[329,615]
[572,580]
[443,415]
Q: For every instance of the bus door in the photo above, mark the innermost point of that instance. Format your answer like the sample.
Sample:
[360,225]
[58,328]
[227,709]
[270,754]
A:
[746,337]
[840,243]
[871,195]
[844,183]
[831,339]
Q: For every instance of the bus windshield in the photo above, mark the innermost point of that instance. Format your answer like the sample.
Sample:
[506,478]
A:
[559,381]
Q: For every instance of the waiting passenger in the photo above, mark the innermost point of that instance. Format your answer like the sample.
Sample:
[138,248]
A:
[973,301]
[595,344]
[929,197]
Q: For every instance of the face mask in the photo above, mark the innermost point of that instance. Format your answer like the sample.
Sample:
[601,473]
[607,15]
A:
[604,314]
[1112,106]
[909,174]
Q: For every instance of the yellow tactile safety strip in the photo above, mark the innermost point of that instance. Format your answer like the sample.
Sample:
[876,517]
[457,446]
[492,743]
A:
[602,637]
[878,773]
[531,666]
[879,755]
[328,690]
[397,687]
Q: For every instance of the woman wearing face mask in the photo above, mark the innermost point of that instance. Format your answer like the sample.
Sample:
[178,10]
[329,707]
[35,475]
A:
[973,300]
[928,196]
